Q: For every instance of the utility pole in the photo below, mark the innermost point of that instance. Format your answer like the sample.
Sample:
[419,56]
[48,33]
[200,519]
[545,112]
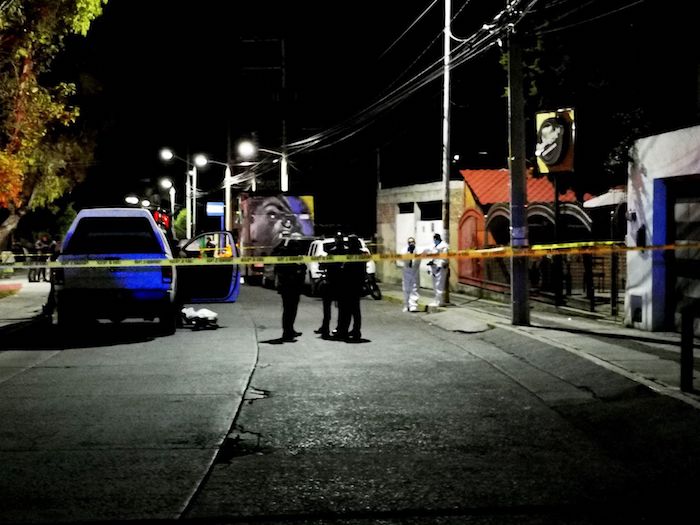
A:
[227,182]
[557,259]
[188,194]
[188,202]
[446,139]
[520,307]
[284,175]
[282,68]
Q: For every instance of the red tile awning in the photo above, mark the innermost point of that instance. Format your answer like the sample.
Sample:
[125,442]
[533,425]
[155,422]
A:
[493,186]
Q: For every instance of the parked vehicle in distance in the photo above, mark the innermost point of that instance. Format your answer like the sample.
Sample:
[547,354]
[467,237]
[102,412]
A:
[314,274]
[136,290]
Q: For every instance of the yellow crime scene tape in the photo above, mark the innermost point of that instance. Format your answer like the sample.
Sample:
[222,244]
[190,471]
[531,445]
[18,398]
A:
[538,250]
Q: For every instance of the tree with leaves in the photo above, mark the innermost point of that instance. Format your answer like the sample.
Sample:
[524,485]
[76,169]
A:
[40,158]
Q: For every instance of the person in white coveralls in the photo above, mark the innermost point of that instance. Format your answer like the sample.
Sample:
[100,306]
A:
[411,277]
[438,269]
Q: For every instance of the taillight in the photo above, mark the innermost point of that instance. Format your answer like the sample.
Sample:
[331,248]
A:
[167,273]
[57,276]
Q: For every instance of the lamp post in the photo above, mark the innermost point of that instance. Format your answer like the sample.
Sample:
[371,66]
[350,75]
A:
[167,155]
[190,186]
[199,162]
[167,184]
[247,149]
[228,182]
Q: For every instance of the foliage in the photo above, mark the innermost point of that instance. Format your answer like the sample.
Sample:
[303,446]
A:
[180,224]
[632,125]
[39,160]
[65,219]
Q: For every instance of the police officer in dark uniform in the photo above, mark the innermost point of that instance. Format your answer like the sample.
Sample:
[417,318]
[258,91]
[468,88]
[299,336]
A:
[353,275]
[289,278]
[330,290]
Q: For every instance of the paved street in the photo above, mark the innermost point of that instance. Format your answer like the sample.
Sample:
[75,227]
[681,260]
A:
[428,419]
[116,422]
[420,424]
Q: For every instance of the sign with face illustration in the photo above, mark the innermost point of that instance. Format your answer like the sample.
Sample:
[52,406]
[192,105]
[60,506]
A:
[270,217]
[555,140]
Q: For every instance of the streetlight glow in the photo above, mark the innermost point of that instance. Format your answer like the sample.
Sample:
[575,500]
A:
[166,154]
[167,184]
[200,160]
[247,149]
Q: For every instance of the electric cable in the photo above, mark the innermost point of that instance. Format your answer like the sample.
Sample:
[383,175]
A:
[408,29]
[481,40]
[592,19]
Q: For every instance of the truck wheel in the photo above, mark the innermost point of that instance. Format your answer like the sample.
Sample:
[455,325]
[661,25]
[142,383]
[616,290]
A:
[65,320]
[167,321]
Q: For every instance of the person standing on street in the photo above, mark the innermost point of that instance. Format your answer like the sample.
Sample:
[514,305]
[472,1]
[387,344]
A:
[289,278]
[330,287]
[43,248]
[353,275]
[439,270]
[411,277]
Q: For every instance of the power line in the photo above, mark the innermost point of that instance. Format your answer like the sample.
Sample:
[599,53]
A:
[408,29]
[477,43]
[425,50]
[592,19]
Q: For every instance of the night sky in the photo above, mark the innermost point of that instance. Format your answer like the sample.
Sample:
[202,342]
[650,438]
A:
[188,75]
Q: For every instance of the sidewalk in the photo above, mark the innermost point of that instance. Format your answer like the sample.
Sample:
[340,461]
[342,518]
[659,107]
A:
[25,302]
[649,358]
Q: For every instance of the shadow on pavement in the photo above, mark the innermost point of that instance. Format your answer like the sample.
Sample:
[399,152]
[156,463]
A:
[42,336]
[632,342]
[278,341]
[609,335]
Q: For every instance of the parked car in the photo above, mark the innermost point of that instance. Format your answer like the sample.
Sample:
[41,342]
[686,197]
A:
[136,290]
[314,274]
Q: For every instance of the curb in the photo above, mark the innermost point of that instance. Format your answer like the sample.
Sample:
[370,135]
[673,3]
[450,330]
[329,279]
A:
[395,297]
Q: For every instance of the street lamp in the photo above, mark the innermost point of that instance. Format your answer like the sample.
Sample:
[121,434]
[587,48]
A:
[199,162]
[135,200]
[190,186]
[247,149]
[167,184]
[228,181]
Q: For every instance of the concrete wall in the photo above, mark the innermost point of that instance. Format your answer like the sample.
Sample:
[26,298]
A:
[655,160]
[388,201]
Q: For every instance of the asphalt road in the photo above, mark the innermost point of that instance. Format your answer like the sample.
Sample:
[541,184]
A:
[415,424]
[418,424]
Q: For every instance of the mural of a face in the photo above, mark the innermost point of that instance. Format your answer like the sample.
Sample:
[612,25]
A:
[276,215]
